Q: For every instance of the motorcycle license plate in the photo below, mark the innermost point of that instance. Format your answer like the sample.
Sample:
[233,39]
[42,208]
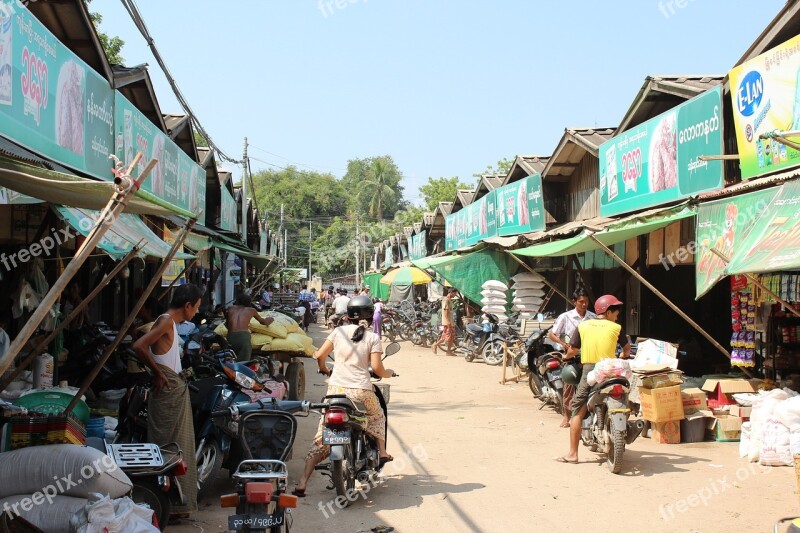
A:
[238,522]
[335,436]
[553,375]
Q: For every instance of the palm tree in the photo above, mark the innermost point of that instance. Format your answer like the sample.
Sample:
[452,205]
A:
[376,185]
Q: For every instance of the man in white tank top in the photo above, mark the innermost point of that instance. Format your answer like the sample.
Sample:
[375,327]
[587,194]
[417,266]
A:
[169,408]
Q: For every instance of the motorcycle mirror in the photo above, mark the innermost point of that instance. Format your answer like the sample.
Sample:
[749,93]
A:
[391,349]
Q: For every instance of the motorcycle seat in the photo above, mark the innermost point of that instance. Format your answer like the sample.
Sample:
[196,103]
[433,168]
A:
[347,403]
[474,329]
[613,381]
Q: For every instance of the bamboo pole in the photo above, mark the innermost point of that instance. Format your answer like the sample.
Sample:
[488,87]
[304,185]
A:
[174,281]
[125,186]
[111,348]
[663,298]
[763,287]
[72,316]
[582,274]
[529,269]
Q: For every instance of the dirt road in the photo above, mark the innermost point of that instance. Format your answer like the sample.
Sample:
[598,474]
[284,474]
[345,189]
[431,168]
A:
[474,455]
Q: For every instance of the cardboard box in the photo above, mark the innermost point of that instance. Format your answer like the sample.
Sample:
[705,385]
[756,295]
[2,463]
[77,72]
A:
[720,391]
[662,379]
[667,432]
[661,405]
[693,427]
[741,412]
[693,400]
[725,428]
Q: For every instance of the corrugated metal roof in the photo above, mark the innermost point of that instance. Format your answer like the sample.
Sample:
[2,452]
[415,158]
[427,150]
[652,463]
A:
[783,27]
[751,185]
[463,198]
[427,219]
[661,93]
[19,153]
[524,166]
[444,209]
[134,83]
[574,145]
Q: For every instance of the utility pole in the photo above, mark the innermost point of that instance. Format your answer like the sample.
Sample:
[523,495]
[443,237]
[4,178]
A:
[285,246]
[358,260]
[243,273]
[309,251]
[280,238]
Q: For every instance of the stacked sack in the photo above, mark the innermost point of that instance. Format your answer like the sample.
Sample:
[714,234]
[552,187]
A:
[772,436]
[529,292]
[495,299]
[282,335]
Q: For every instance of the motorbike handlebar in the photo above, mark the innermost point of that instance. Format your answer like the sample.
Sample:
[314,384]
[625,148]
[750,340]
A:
[193,388]
[220,413]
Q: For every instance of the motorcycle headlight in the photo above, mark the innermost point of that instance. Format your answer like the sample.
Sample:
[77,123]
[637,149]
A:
[244,381]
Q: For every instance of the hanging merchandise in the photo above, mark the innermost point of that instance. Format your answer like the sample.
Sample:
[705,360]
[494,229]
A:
[743,323]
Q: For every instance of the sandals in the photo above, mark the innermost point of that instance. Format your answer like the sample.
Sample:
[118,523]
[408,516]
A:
[384,460]
[299,493]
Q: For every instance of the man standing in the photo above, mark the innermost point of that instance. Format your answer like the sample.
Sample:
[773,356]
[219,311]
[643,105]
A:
[564,329]
[238,324]
[169,408]
[597,339]
[448,328]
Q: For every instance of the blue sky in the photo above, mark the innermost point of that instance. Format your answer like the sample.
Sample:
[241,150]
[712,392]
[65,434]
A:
[445,87]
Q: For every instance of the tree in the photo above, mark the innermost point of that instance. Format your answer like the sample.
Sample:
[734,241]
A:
[111,45]
[200,141]
[373,185]
[503,166]
[440,190]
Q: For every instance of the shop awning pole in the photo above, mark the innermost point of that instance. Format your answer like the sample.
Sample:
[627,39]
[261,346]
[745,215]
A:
[663,298]
[760,285]
[582,274]
[72,316]
[529,269]
[111,348]
[125,188]
[178,277]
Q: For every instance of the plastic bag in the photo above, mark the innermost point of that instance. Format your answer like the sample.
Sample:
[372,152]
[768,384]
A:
[775,449]
[788,412]
[51,515]
[495,285]
[612,368]
[104,515]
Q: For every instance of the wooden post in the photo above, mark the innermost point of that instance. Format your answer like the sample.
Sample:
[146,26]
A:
[125,188]
[663,298]
[582,274]
[132,316]
[164,292]
[529,269]
[75,312]
[551,292]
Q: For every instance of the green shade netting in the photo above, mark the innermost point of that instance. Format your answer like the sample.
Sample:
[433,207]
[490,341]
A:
[376,288]
[469,272]
[613,234]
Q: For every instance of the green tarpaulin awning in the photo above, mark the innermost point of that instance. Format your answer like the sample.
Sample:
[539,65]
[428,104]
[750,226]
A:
[68,189]
[259,261]
[469,272]
[122,236]
[376,288]
[613,234]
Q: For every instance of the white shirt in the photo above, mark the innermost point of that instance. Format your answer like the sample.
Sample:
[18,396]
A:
[351,360]
[340,304]
[567,323]
[171,359]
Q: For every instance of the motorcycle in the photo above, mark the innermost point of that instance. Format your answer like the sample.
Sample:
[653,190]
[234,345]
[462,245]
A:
[544,365]
[607,427]
[483,340]
[264,433]
[354,454]
[93,340]
[154,472]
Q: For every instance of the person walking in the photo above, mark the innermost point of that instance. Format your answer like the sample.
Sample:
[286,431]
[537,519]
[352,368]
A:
[597,339]
[448,328]
[377,317]
[563,330]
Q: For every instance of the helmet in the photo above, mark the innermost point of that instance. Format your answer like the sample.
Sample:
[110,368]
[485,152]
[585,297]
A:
[604,302]
[360,308]
[571,374]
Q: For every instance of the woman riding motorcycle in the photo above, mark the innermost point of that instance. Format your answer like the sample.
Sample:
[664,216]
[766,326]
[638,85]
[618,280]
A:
[356,349]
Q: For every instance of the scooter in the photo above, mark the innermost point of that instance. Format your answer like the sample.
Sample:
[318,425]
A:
[480,339]
[544,365]
[154,472]
[606,427]
[354,454]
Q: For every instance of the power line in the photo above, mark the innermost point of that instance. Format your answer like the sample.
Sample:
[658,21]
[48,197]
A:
[294,162]
[133,11]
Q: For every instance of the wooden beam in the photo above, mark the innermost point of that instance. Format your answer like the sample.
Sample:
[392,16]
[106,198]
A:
[529,269]
[582,274]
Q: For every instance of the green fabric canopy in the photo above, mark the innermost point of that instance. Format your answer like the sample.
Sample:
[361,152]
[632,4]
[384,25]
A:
[469,272]
[260,261]
[376,288]
[613,234]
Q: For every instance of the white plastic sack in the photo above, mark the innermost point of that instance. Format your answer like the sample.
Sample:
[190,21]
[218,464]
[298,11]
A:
[527,276]
[763,406]
[744,440]
[529,293]
[51,515]
[103,515]
[522,285]
[80,470]
[493,301]
[493,293]
[794,440]
[528,300]
[591,378]
[612,368]
[788,412]
[655,353]
[745,399]
[493,309]
[775,450]
[493,284]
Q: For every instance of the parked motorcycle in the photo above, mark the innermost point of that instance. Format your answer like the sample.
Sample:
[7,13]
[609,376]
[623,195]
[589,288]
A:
[264,433]
[483,340]
[154,472]
[354,454]
[606,427]
[544,365]
[92,342]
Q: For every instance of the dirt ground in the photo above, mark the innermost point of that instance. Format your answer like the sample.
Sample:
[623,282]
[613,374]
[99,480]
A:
[474,455]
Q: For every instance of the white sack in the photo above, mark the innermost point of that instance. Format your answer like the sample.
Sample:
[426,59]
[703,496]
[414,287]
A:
[493,293]
[529,293]
[495,285]
[527,276]
[51,517]
[522,285]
